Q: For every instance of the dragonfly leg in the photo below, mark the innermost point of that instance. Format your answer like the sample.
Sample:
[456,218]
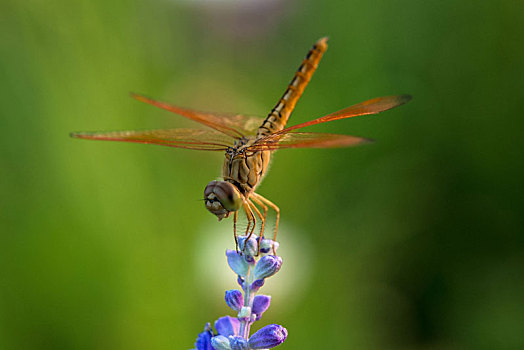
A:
[262,219]
[277,211]
[251,221]
[264,207]
[235,217]
[259,214]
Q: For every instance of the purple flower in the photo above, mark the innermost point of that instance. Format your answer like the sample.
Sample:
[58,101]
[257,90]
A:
[268,337]
[251,269]
[203,341]
[227,326]
[234,299]
[267,266]
[260,305]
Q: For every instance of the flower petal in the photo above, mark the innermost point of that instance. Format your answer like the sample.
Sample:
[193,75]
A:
[255,286]
[227,326]
[237,263]
[203,341]
[260,305]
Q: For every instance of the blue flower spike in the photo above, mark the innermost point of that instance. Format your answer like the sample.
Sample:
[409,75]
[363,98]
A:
[267,266]
[234,299]
[268,337]
[251,266]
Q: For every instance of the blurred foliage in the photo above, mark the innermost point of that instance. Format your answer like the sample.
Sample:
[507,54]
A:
[417,240]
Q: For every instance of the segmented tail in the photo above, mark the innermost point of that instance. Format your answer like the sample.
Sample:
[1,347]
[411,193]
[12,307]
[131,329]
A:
[277,118]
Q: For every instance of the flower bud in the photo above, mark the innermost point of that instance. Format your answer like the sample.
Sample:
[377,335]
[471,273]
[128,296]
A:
[234,299]
[260,305]
[267,266]
[237,263]
[266,246]
[220,343]
[248,247]
[268,337]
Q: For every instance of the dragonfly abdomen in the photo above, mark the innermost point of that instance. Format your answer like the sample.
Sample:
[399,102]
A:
[279,115]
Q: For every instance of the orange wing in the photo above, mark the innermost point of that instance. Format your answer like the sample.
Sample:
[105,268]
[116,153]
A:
[306,140]
[373,106]
[285,139]
[236,126]
[205,140]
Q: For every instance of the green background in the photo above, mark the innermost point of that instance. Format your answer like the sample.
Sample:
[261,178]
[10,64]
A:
[413,242]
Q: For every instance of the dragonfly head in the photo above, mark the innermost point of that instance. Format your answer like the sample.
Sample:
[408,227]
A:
[222,198]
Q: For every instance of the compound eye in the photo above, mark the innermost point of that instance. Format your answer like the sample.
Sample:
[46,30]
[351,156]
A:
[222,196]
[229,196]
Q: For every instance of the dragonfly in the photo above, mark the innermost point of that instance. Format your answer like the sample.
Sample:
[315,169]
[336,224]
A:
[248,143]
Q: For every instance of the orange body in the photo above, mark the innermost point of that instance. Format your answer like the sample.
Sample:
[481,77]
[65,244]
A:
[244,168]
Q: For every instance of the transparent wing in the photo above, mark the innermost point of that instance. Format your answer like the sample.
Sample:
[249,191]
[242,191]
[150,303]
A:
[285,139]
[236,126]
[205,140]
[373,106]
[306,140]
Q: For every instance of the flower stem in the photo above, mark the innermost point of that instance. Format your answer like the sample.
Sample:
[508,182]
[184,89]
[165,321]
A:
[245,323]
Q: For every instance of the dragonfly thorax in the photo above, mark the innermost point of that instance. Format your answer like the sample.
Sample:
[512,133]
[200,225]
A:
[244,167]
